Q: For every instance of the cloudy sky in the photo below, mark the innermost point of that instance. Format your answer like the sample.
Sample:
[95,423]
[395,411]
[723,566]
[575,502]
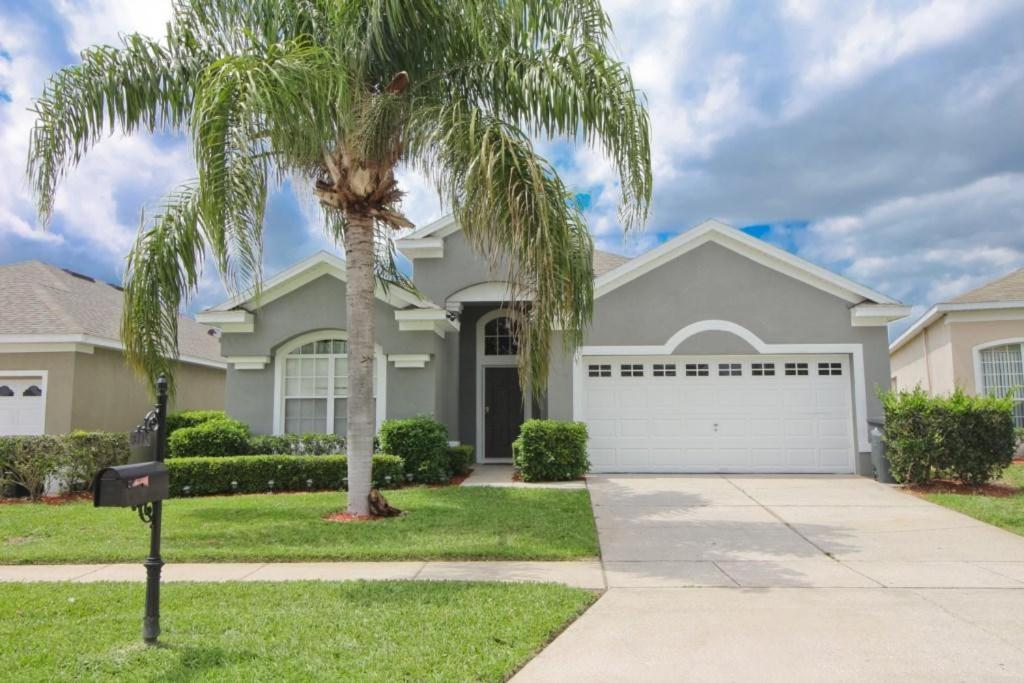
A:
[883,140]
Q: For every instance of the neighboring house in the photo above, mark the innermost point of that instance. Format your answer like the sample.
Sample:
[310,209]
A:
[973,342]
[61,360]
[712,352]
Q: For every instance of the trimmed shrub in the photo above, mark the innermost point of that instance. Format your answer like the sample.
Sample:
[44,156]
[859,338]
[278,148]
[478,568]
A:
[978,437]
[253,473]
[192,418]
[89,452]
[422,442]
[550,450]
[971,438]
[30,461]
[215,438]
[297,444]
[911,440]
[460,459]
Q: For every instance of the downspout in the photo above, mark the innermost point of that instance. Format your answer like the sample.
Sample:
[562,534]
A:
[927,358]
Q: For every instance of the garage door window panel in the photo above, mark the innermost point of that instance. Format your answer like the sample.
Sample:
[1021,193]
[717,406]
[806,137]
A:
[697,370]
[631,370]
[730,370]
[664,370]
[796,369]
[6,391]
[762,369]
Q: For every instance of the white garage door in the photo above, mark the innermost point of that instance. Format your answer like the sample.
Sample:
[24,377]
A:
[719,414]
[22,405]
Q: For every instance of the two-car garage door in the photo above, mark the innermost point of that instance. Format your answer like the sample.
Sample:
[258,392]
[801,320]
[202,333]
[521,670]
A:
[719,414]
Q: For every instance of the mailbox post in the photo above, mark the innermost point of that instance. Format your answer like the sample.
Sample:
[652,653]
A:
[143,485]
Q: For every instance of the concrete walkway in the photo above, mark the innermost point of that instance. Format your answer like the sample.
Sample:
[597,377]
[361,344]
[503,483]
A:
[791,578]
[582,574]
[502,475]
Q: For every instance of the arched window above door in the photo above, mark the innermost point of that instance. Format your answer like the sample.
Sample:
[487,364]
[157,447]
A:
[500,337]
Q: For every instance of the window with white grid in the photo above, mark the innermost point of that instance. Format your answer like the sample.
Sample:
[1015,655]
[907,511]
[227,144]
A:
[631,370]
[1002,372]
[762,369]
[664,370]
[316,387]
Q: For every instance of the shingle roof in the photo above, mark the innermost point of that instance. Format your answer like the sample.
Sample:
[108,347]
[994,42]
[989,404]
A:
[1007,288]
[606,260]
[39,298]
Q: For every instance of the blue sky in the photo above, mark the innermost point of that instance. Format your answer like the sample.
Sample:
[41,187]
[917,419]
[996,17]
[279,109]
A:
[883,140]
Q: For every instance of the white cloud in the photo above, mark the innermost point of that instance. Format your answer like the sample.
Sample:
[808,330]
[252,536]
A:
[96,22]
[928,248]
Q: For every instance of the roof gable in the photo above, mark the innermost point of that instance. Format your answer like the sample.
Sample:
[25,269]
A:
[1009,287]
[303,272]
[753,248]
[42,303]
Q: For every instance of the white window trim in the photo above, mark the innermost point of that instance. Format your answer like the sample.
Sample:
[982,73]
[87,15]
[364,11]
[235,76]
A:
[296,342]
[44,378]
[484,361]
[856,352]
[979,376]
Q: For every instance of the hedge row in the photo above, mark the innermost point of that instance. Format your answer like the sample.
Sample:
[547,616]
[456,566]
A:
[205,476]
[30,462]
[970,438]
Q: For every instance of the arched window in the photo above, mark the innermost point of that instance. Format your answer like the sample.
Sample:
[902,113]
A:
[6,391]
[315,387]
[32,391]
[500,337]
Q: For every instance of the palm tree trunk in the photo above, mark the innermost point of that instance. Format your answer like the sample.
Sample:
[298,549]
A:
[359,307]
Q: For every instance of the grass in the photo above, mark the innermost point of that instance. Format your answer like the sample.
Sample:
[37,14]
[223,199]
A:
[365,631]
[1006,512]
[451,523]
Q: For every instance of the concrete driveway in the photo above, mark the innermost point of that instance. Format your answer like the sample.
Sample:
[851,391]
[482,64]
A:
[791,578]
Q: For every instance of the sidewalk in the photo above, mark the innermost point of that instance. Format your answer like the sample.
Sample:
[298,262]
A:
[581,574]
[501,475]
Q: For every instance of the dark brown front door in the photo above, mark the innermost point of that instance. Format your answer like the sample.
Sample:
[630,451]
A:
[503,411]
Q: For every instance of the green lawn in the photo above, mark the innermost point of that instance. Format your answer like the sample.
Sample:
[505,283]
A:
[451,523]
[365,631]
[1005,512]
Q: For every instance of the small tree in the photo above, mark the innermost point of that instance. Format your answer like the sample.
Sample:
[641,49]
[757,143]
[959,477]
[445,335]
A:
[337,94]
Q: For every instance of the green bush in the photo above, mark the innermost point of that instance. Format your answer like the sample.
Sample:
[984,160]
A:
[422,442]
[460,459]
[192,418]
[971,438]
[215,438]
[29,461]
[253,473]
[297,444]
[89,452]
[550,450]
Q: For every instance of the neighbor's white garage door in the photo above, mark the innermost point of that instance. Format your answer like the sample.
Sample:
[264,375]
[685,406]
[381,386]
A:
[719,414]
[22,405]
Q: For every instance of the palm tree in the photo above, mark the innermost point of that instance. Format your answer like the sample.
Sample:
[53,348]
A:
[335,95]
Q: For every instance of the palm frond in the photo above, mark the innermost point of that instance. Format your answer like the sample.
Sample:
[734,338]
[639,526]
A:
[513,206]
[162,270]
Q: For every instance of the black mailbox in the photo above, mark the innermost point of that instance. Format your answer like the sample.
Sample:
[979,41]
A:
[130,485]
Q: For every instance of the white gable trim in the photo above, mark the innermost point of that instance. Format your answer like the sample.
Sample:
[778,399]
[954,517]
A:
[304,272]
[740,242]
[82,343]
[428,241]
[937,311]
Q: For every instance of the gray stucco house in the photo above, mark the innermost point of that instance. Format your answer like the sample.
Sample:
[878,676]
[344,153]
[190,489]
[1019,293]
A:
[714,352]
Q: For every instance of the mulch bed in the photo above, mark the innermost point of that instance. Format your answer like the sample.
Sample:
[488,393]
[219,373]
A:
[348,517]
[50,500]
[950,486]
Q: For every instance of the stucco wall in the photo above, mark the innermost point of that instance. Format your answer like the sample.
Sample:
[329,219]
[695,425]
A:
[926,361]
[60,369]
[98,391]
[949,362]
[320,305]
[108,396]
[714,283]
[967,335]
[461,267]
